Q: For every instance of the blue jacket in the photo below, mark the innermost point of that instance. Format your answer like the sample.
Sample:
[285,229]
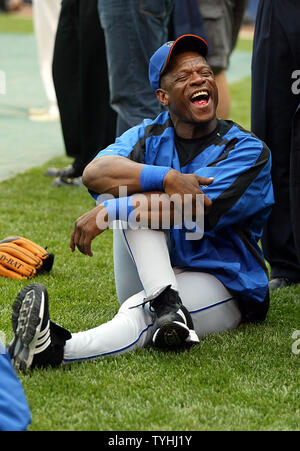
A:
[14,411]
[241,193]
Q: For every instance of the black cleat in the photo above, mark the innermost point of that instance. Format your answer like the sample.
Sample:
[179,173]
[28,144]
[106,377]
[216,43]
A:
[37,342]
[173,326]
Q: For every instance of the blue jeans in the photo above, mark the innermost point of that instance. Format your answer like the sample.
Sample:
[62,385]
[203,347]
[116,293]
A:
[134,30]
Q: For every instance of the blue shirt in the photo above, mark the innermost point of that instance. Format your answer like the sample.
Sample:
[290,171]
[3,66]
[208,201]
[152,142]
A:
[14,410]
[241,194]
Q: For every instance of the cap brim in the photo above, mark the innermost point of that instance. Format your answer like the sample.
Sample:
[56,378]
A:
[186,42]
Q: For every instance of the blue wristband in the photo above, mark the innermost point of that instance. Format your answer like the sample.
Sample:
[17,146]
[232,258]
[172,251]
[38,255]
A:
[119,208]
[152,177]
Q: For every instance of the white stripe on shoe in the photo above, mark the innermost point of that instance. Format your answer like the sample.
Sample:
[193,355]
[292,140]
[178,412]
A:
[43,340]
[27,334]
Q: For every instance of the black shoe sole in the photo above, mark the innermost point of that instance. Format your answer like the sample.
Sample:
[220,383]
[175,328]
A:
[174,335]
[170,335]
[27,317]
[174,330]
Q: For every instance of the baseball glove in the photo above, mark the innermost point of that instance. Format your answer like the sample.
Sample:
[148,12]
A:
[21,258]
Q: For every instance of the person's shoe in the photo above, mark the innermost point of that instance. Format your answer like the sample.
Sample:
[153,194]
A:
[37,342]
[61,181]
[173,326]
[280,282]
[50,114]
[68,172]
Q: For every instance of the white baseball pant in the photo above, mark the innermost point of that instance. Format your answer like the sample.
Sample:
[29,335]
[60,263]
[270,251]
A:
[142,270]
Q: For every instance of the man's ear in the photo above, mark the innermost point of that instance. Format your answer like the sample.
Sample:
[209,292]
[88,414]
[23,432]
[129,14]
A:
[162,96]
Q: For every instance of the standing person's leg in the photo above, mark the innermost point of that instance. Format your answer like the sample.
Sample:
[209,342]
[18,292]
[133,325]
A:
[97,119]
[237,16]
[45,19]
[66,76]
[294,179]
[133,30]
[273,109]
[3,6]
[218,28]
[81,83]
[222,22]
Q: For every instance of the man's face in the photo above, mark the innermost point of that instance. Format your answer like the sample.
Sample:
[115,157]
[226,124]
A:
[189,89]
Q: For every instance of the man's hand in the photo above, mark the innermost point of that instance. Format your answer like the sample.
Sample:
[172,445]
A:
[86,229]
[177,183]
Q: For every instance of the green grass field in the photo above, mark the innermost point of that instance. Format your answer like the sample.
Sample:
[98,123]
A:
[246,379]
[12,23]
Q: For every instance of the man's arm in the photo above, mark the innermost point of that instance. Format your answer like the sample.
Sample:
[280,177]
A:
[109,175]
[106,174]
[151,209]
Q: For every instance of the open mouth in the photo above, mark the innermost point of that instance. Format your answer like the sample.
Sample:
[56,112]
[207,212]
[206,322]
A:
[200,98]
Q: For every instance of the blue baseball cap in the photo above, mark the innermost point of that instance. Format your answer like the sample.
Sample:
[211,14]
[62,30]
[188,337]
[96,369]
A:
[161,58]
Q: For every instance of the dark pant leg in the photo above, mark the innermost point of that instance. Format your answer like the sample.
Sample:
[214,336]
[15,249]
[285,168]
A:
[295,179]
[273,108]
[66,75]
[3,5]
[97,119]
[238,13]
[134,30]
[81,82]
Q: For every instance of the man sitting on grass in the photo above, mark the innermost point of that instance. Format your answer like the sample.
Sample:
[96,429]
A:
[187,196]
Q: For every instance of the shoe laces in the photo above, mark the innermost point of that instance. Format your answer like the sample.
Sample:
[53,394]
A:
[167,299]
